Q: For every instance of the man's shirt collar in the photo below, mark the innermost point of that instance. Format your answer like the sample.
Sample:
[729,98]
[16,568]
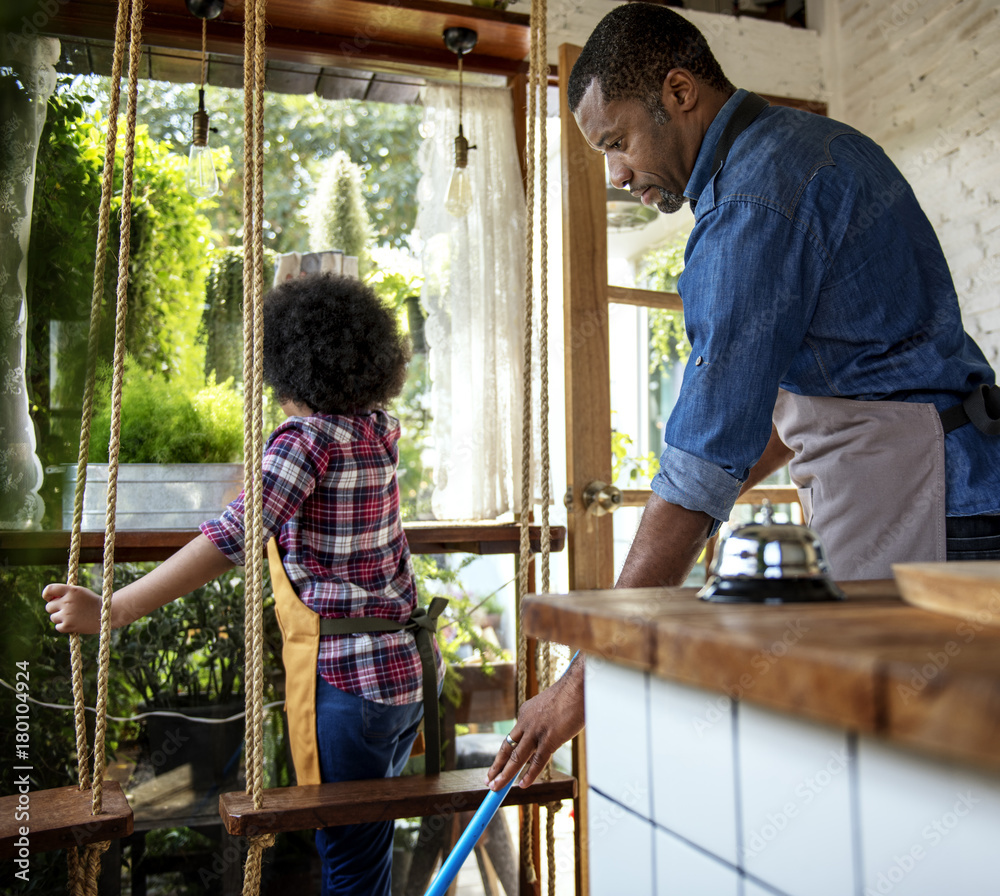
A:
[703,172]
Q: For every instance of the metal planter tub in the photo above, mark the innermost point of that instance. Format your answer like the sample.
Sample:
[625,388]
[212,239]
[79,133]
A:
[155,496]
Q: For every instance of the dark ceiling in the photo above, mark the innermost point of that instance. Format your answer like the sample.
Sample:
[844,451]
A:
[375,50]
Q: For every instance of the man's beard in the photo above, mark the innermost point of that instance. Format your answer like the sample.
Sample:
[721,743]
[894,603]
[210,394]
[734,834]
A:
[670,202]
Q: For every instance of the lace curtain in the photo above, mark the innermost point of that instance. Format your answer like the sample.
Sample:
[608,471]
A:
[473,294]
[32,63]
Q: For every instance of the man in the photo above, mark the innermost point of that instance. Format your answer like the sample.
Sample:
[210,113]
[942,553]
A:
[824,328]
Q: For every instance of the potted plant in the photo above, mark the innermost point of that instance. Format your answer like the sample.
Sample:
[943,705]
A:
[179,453]
[187,659]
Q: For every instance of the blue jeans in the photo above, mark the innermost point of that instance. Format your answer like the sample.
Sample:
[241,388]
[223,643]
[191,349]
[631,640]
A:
[359,740]
[973,537]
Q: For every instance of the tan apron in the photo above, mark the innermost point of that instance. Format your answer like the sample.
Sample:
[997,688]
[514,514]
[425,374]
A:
[300,632]
[871,478]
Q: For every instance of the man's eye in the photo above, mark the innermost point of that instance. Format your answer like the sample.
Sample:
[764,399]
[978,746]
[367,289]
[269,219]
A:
[616,145]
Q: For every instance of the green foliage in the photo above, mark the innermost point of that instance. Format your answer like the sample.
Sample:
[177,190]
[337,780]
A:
[162,424]
[189,652]
[169,237]
[659,270]
[628,470]
[395,283]
[336,213]
[60,270]
[221,327]
[301,132]
[29,637]
[169,257]
[456,628]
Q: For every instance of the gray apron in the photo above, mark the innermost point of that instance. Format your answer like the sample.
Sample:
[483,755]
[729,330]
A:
[871,479]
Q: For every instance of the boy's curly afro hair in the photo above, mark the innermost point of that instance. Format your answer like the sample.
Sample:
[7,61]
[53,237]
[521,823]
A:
[331,344]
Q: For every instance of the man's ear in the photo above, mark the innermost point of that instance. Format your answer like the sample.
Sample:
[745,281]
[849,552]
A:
[680,91]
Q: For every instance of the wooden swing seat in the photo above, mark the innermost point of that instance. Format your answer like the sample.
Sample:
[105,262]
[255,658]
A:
[353,802]
[61,818]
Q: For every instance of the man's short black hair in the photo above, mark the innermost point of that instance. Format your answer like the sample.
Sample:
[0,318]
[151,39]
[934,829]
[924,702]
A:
[632,49]
[331,344]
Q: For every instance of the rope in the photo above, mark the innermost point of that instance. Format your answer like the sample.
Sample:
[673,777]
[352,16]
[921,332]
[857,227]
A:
[527,817]
[253,438]
[537,82]
[204,57]
[84,869]
[121,309]
[537,111]
[104,215]
[249,477]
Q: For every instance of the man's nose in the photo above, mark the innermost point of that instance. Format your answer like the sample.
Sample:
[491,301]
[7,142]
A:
[619,174]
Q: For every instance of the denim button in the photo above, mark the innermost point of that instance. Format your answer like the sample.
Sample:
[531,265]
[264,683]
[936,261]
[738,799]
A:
[698,361]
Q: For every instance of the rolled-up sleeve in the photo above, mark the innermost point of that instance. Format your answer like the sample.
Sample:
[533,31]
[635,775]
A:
[696,484]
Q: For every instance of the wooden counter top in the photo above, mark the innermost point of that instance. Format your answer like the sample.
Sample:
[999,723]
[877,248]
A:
[870,664]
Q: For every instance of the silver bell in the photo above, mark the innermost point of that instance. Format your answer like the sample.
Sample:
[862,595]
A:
[770,562]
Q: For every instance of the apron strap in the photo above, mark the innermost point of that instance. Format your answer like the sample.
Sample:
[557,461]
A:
[423,624]
[745,114]
[981,408]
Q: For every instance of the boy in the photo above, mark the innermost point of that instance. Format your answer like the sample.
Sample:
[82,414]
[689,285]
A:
[334,357]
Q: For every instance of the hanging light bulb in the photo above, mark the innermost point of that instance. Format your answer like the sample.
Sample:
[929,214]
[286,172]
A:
[202,179]
[458,199]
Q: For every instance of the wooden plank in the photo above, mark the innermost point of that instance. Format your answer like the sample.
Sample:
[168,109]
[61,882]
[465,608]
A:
[870,663]
[587,353]
[134,545]
[645,298]
[776,494]
[352,802]
[319,33]
[60,818]
[969,590]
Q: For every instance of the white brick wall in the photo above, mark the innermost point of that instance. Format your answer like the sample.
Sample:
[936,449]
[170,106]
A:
[764,56]
[921,77]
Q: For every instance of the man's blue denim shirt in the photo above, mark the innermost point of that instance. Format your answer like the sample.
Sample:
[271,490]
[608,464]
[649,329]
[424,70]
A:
[812,267]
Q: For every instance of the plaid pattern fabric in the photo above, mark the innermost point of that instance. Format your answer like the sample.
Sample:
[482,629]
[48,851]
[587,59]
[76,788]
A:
[332,500]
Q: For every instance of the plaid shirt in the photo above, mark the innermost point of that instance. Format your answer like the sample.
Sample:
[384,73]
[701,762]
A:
[332,500]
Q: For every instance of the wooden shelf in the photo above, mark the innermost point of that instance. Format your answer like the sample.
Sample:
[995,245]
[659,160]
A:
[356,802]
[135,545]
[644,298]
[776,494]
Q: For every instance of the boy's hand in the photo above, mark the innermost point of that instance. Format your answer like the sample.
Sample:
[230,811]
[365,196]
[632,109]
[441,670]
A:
[73,608]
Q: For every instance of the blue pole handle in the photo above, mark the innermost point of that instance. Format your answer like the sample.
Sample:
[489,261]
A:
[467,841]
[472,833]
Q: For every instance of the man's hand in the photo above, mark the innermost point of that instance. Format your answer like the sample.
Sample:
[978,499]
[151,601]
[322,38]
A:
[544,724]
[73,608]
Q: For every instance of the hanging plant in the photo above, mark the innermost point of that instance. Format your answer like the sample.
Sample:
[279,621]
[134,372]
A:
[222,316]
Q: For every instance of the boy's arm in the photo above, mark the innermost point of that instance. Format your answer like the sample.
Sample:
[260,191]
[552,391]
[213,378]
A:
[76,609]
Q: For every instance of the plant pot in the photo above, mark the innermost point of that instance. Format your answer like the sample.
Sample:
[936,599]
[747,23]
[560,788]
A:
[154,496]
[212,750]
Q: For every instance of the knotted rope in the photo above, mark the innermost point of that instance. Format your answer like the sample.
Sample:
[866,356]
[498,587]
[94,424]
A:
[84,870]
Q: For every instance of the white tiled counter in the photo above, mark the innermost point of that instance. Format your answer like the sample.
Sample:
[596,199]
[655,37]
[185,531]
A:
[693,792]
